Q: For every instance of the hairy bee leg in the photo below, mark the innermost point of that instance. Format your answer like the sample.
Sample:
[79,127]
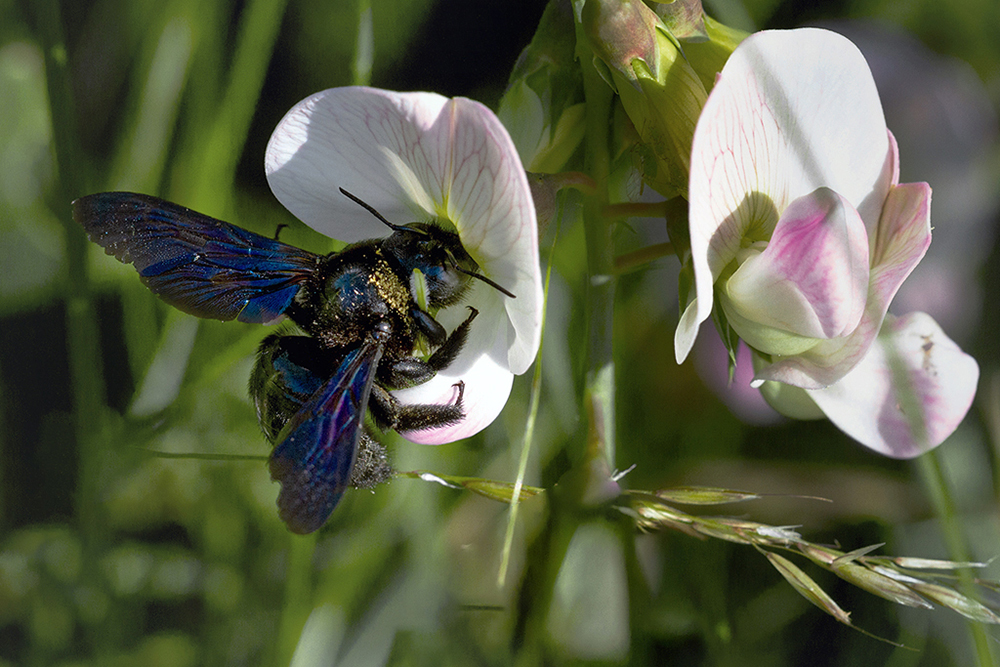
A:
[432,330]
[449,350]
[389,413]
[410,372]
[371,464]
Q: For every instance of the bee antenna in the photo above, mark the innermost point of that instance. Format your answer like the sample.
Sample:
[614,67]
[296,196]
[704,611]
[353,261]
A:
[486,280]
[371,209]
[395,228]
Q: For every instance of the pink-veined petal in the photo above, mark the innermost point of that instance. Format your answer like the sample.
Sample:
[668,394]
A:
[390,149]
[489,200]
[870,403]
[812,278]
[904,233]
[792,111]
[416,156]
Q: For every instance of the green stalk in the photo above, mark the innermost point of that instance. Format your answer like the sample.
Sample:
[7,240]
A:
[298,598]
[578,496]
[529,434]
[936,484]
[86,377]
[82,338]
[216,163]
[364,47]
[600,376]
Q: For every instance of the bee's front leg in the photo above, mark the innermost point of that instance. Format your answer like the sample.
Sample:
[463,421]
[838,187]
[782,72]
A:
[410,371]
[389,413]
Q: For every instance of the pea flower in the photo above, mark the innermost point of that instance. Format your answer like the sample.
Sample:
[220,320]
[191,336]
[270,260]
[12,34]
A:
[801,234]
[420,157]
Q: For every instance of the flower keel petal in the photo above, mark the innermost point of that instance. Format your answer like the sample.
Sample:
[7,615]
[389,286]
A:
[482,368]
[812,278]
[904,233]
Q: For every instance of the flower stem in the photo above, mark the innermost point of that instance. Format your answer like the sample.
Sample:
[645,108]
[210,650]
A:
[364,47]
[216,164]
[81,327]
[600,382]
[637,259]
[936,484]
[529,434]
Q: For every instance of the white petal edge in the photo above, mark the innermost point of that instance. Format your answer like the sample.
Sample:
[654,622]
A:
[489,200]
[378,145]
[868,405]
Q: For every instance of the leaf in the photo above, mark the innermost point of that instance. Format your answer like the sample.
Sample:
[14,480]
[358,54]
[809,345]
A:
[704,495]
[502,491]
[954,600]
[808,588]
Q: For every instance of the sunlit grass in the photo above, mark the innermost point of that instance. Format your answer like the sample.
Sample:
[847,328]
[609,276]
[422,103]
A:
[112,555]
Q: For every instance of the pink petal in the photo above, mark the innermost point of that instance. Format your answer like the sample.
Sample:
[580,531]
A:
[792,111]
[913,365]
[487,382]
[812,278]
[901,240]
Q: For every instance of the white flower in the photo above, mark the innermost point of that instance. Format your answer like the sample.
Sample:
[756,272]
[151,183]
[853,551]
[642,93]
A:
[421,157]
[801,234]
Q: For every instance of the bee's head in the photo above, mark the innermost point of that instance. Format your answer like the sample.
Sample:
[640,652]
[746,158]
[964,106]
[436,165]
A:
[436,253]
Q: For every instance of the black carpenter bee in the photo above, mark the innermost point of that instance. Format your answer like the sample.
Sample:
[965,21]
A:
[358,309]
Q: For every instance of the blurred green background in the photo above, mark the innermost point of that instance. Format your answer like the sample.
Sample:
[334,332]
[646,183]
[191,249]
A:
[112,556]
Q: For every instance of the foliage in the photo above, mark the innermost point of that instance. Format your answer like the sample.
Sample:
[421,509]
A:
[113,555]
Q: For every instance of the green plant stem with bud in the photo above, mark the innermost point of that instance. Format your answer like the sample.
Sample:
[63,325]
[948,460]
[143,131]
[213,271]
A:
[600,290]
[592,453]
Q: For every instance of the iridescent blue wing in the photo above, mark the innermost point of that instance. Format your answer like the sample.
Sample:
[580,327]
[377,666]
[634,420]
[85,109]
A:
[316,449]
[203,266]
